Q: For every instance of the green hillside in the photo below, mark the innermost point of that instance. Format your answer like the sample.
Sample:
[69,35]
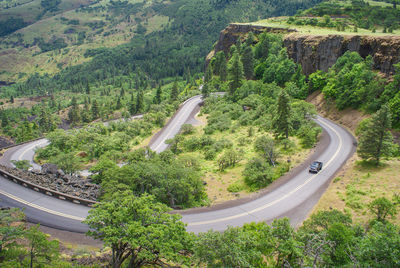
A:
[163,38]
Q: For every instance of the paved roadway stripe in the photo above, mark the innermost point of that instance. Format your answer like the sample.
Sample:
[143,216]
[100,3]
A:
[41,208]
[30,148]
[172,128]
[195,223]
[279,199]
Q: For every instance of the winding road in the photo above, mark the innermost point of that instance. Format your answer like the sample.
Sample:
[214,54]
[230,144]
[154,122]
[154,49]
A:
[294,199]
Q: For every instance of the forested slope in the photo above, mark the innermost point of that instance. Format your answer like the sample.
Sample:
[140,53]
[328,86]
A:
[177,49]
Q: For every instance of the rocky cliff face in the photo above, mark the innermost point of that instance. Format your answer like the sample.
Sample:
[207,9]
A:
[320,52]
[234,31]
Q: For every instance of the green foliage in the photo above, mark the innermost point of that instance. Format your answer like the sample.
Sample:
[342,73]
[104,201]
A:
[375,140]
[11,25]
[247,59]
[181,44]
[174,91]
[22,247]
[139,231]
[229,159]
[352,83]
[57,43]
[187,129]
[382,208]
[10,230]
[308,135]
[172,181]
[359,13]
[235,73]
[21,164]
[232,248]
[41,251]
[380,247]
[257,173]
[266,146]
[283,117]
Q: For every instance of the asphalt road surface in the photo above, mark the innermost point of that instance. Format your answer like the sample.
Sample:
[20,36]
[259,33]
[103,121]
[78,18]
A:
[293,199]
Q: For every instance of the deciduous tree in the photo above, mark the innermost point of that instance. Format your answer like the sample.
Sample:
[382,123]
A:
[139,231]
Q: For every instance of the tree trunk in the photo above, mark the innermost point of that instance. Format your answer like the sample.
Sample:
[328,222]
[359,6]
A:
[378,153]
[31,258]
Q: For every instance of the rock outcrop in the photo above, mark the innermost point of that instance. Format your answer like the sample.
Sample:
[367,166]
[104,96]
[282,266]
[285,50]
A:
[320,52]
[67,184]
[234,31]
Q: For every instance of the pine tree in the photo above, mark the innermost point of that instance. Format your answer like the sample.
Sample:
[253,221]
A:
[250,39]
[235,73]
[219,58]
[248,62]
[95,109]
[209,74]
[4,120]
[74,113]
[139,101]
[282,120]
[157,97]
[223,70]
[87,88]
[132,106]
[205,91]
[119,105]
[43,120]
[122,93]
[174,90]
[375,140]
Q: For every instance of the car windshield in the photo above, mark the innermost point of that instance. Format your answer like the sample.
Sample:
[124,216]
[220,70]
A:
[314,164]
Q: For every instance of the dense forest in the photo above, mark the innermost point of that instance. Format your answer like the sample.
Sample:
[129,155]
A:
[259,124]
[178,49]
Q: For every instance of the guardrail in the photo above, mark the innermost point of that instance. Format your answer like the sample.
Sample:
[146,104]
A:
[18,144]
[47,191]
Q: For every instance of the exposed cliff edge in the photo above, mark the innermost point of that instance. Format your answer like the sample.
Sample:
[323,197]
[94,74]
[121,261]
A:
[319,52]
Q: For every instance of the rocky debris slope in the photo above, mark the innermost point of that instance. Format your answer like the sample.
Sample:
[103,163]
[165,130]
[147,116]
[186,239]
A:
[56,180]
[5,142]
[320,52]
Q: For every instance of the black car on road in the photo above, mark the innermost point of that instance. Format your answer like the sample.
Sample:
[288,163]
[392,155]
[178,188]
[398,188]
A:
[315,167]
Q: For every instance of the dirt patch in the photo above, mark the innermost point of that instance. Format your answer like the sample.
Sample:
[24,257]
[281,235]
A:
[19,102]
[349,118]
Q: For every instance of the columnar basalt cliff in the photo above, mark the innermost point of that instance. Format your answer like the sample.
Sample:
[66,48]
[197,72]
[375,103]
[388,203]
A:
[320,52]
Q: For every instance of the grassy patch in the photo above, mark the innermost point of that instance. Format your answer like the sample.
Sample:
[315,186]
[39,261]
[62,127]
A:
[19,55]
[281,22]
[359,184]
[229,184]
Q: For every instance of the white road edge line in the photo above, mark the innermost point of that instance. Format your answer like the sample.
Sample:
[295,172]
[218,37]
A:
[172,128]
[194,223]
[29,148]
[279,199]
[41,208]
